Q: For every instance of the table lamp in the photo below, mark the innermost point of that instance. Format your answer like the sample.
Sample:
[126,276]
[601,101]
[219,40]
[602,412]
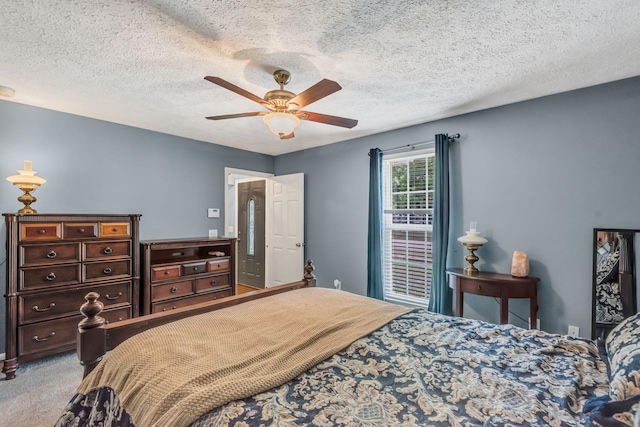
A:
[472,241]
[27,181]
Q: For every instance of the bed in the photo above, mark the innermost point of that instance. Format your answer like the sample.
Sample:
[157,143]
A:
[323,357]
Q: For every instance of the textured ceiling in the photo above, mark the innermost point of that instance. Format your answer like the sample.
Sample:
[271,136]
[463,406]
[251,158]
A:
[142,62]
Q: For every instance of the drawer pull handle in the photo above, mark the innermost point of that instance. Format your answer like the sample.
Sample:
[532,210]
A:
[195,268]
[107,250]
[114,229]
[479,287]
[52,254]
[174,290]
[80,230]
[177,254]
[107,270]
[41,231]
[41,310]
[112,298]
[219,265]
[166,273]
[50,276]
[213,283]
[51,335]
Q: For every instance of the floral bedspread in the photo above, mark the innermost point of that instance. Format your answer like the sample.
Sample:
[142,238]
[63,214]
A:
[419,369]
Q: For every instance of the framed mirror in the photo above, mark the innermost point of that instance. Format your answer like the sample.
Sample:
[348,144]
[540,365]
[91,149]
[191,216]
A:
[615,295]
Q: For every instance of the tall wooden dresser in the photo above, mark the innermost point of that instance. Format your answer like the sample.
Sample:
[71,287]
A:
[53,261]
[183,272]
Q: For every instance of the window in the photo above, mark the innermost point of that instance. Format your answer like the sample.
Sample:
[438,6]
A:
[407,197]
[251,227]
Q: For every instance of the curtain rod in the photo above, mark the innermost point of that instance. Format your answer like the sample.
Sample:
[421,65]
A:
[417,144]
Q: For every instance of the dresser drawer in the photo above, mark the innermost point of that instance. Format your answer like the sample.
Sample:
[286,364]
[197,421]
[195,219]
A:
[194,268]
[213,282]
[107,270]
[164,273]
[184,302]
[48,336]
[218,265]
[94,251]
[50,253]
[479,287]
[171,290]
[116,314]
[49,305]
[80,230]
[40,231]
[36,278]
[115,229]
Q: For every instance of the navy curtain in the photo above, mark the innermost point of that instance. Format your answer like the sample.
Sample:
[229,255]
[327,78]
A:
[441,299]
[375,281]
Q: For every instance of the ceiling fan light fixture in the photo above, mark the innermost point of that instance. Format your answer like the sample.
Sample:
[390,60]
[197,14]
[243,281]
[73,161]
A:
[281,124]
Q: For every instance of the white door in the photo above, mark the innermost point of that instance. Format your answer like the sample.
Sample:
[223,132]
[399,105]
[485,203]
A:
[284,229]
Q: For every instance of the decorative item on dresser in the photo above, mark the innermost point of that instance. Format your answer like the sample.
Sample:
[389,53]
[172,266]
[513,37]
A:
[183,272]
[52,259]
[28,182]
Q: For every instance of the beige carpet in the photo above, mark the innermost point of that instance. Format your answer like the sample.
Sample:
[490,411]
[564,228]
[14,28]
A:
[39,392]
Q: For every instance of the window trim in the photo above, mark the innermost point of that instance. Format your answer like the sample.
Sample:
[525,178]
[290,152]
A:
[386,196]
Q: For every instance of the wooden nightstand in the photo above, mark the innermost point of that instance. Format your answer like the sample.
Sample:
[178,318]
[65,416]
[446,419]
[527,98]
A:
[503,286]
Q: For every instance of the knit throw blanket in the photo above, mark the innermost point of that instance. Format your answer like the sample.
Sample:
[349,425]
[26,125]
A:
[173,374]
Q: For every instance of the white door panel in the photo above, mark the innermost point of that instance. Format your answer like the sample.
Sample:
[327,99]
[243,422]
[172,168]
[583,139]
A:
[284,229]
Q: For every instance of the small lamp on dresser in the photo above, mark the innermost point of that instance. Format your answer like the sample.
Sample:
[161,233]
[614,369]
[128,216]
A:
[472,241]
[27,181]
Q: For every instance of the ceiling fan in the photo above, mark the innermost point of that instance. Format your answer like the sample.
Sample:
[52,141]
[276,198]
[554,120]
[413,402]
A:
[284,113]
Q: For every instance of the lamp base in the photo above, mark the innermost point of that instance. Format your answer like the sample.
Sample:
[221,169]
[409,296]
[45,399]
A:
[471,258]
[27,199]
[471,270]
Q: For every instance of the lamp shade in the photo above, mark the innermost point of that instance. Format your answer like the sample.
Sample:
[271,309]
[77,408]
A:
[26,177]
[281,124]
[472,238]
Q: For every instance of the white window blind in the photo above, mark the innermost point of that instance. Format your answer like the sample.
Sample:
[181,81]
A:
[408,225]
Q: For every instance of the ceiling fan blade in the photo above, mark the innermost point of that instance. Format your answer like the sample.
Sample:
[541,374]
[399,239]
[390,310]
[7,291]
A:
[233,88]
[233,116]
[291,135]
[318,91]
[329,120]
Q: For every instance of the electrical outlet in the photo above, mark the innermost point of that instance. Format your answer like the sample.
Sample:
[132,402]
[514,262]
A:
[574,331]
[537,324]
[213,233]
[337,284]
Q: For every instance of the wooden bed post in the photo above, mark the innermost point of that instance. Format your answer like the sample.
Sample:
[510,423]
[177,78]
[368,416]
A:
[92,336]
[308,274]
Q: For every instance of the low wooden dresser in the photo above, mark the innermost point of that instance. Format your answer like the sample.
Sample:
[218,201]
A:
[53,261]
[183,272]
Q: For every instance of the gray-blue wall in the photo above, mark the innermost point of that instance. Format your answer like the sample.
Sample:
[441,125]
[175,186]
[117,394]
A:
[537,176]
[92,166]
